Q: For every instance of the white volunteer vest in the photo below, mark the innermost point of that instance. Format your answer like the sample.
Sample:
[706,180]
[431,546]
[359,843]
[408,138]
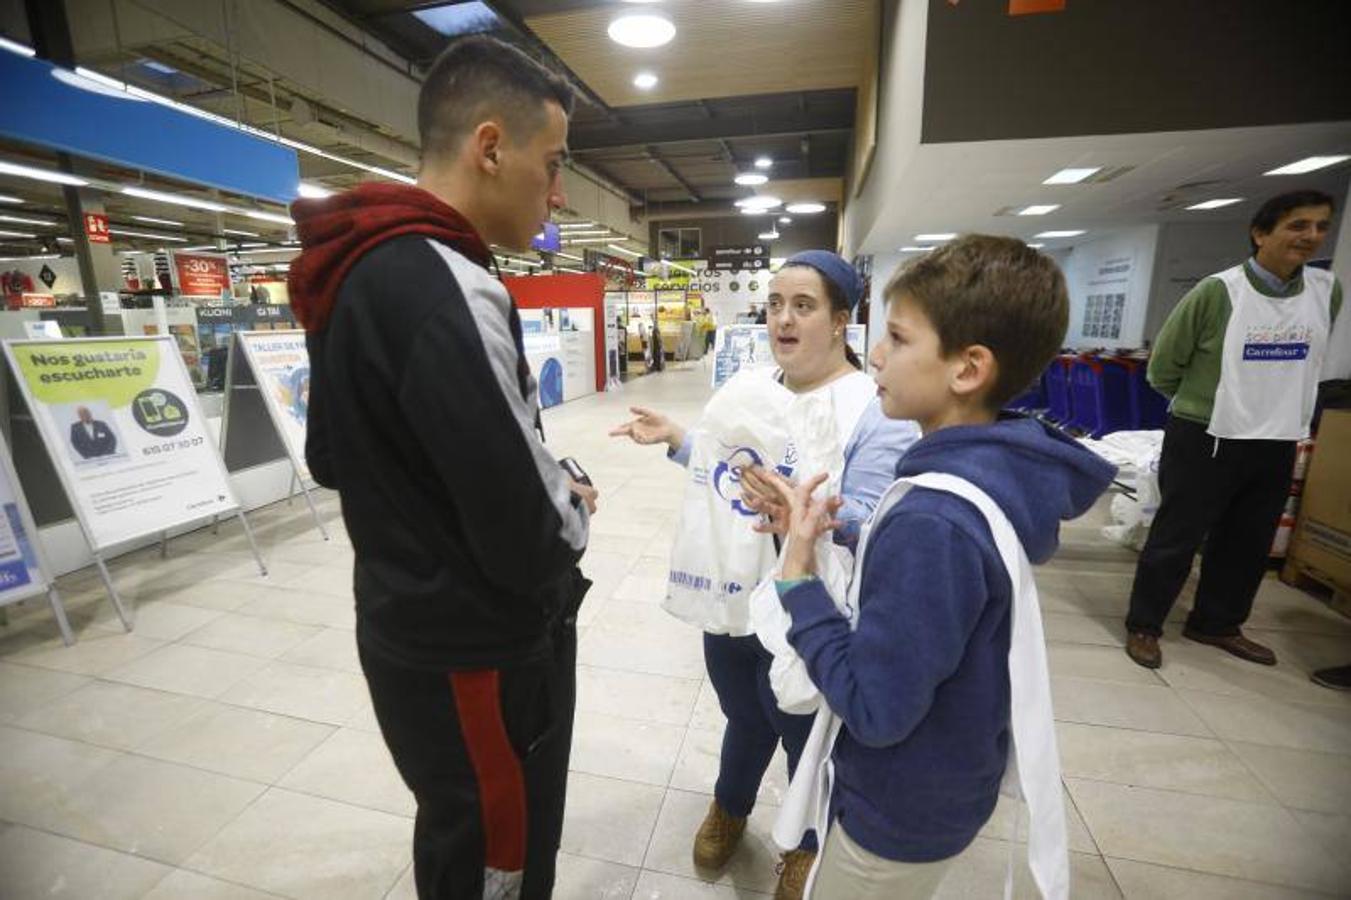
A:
[1033,771]
[1272,358]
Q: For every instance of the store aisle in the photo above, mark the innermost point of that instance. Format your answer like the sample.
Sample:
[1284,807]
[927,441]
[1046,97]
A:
[226,749]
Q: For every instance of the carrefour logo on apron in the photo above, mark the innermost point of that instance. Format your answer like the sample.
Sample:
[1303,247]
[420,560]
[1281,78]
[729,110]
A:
[1267,344]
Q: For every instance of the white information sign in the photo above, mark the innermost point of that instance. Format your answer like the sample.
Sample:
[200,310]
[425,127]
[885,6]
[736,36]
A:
[738,347]
[20,573]
[122,424]
[281,367]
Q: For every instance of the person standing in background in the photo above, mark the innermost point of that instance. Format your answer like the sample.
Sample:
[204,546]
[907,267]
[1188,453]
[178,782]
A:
[1241,357]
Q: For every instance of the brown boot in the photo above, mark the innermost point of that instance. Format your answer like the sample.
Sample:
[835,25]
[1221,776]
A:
[717,838]
[793,872]
[1144,649]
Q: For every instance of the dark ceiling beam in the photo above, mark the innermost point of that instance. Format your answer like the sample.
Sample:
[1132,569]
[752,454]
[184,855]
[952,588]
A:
[604,137]
[656,157]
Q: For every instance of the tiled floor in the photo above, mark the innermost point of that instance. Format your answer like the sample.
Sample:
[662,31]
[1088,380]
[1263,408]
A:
[227,749]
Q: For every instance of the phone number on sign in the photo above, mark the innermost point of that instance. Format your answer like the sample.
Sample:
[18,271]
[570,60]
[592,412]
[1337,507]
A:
[170,446]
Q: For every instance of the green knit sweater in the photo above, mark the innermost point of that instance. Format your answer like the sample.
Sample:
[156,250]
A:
[1185,362]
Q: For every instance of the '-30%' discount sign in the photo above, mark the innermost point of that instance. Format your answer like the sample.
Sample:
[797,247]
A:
[122,424]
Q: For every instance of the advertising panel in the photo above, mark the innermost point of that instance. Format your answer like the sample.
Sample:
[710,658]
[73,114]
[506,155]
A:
[281,367]
[124,430]
[200,274]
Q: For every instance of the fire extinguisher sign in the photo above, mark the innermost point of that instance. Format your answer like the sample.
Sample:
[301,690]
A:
[96,227]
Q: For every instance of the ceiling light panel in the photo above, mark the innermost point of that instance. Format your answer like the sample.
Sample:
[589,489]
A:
[1068,233]
[1038,209]
[1073,176]
[805,209]
[1308,164]
[7,168]
[1218,203]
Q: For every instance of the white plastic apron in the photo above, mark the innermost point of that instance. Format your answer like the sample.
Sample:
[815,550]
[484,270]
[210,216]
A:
[1033,771]
[717,558]
[1272,358]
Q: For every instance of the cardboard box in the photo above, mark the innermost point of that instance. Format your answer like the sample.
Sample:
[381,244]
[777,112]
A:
[1322,540]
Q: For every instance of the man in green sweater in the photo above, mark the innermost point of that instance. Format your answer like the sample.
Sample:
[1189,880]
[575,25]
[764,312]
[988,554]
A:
[1240,357]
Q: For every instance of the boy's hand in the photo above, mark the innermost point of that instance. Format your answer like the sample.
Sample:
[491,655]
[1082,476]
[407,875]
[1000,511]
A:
[760,495]
[808,519]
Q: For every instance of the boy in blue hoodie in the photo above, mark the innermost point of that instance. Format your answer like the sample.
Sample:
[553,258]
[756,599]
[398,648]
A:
[922,683]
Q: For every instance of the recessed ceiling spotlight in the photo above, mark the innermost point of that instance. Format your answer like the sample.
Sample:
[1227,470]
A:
[1072,176]
[1060,234]
[642,30]
[1308,164]
[805,209]
[763,162]
[751,179]
[1038,209]
[759,202]
[768,235]
[313,191]
[755,211]
[1036,246]
[936,236]
[645,81]
[785,220]
[1216,203]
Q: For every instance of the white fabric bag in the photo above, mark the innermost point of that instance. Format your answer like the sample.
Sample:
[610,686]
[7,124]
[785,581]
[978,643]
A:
[718,558]
[1033,770]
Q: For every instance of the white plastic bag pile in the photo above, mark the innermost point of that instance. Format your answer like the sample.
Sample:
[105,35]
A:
[1136,454]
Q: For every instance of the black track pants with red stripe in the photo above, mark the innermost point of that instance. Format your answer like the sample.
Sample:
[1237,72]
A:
[486,755]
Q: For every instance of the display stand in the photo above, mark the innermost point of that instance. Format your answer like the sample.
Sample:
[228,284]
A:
[274,366]
[24,572]
[138,483]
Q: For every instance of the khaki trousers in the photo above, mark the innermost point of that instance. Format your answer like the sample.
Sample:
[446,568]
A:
[848,872]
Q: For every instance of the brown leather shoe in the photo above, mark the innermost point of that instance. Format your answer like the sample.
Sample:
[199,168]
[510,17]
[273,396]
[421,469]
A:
[1236,644]
[794,868]
[717,838]
[1144,649]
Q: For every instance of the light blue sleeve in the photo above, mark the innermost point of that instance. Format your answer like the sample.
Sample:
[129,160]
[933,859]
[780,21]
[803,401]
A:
[870,458]
[681,455]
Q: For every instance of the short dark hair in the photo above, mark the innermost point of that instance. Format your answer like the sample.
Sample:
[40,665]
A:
[993,291]
[1270,213]
[476,78]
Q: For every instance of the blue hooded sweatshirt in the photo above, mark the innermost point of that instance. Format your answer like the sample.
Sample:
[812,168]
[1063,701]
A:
[923,683]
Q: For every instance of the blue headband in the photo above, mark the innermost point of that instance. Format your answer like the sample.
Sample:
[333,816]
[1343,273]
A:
[833,267]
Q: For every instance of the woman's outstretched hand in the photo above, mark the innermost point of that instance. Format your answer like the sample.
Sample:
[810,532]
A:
[650,427]
[808,519]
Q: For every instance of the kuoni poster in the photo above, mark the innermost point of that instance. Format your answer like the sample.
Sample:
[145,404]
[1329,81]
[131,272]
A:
[122,424]
[281,365]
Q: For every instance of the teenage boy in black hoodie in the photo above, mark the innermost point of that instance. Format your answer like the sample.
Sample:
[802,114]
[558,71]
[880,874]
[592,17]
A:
[922,684]
[466,531]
